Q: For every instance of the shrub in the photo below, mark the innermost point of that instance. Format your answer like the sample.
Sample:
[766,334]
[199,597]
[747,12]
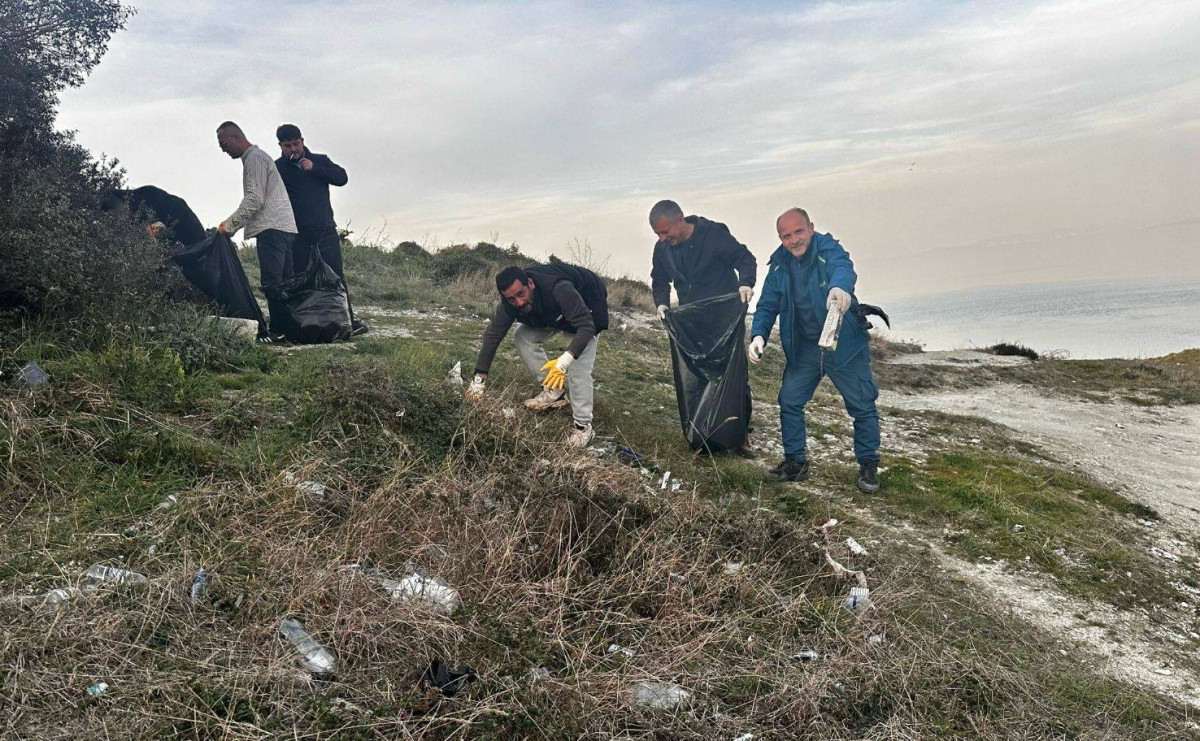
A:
[1012,348]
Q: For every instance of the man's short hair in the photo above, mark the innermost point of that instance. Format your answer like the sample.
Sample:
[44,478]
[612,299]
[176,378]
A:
[288,132]
[665,210]
[797,210]
[510,275]
[229,125]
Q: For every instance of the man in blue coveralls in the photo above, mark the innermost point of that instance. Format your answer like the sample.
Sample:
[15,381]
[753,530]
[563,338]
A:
[808,274]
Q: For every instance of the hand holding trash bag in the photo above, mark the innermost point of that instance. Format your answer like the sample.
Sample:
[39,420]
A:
[662,312]
[746,292]
[839,298]
[755,350]
[557,374]
[474,392]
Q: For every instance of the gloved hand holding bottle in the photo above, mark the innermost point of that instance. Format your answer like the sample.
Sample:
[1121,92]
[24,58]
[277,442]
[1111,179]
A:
[840,298]
[755,351]
[557,371]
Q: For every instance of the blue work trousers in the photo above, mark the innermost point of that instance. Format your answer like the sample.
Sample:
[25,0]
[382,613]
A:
[853,381]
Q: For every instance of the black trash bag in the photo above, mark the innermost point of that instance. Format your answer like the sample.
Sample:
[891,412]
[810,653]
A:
[212,265]
[708,357]
[315,304]
[440,680]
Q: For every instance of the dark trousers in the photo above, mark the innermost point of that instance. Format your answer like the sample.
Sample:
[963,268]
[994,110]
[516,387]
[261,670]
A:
[329,244]
[853,380]
[274,266]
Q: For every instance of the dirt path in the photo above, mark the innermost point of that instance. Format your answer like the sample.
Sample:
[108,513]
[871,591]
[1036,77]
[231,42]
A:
[1150,454]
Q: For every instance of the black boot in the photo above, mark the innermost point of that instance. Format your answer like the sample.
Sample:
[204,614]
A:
[789,469]
[868,476]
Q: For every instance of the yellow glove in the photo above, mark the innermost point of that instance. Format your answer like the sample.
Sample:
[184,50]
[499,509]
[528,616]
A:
[556,374]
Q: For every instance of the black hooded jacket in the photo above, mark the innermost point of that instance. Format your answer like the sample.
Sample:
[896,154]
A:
[710,263]
[309,190]
[565,297]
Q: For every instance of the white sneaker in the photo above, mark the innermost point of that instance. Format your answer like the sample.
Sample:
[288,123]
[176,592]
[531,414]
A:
[580,436]
[548,399]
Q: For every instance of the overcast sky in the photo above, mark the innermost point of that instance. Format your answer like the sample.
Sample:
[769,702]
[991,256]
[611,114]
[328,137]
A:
[929,137]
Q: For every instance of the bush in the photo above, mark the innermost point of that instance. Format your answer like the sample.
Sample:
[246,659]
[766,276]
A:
[204,343]
[1012,348]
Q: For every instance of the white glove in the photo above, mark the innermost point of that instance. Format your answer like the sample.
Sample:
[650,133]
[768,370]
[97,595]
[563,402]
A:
[475,390]
[747,293]
[757,345]
[840,298]
[662,312]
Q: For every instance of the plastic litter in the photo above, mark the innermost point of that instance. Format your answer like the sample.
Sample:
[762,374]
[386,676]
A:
[31,375]
[855,548]
[746,737]
[434,592]
[829,525]
[734,567]
[101,574]
[58,597]
[199,585]
[439,680]
[538,673]
[168,502]
[1018,528]
[829,333]
[454,375]
[97,689]
[666,477]
[314,657]
[806,654]
[659,695]
[315,489]
[614,648]
[858,598]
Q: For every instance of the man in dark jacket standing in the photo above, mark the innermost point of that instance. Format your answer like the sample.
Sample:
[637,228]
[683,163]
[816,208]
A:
[702,259]
[307,177]
[544,300]
[699,257]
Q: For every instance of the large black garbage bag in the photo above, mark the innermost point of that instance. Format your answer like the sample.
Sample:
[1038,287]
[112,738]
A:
[708,356]
[212,265]
[315,304]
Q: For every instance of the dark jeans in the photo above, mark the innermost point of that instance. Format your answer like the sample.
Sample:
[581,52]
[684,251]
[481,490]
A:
[329,244]
[274,266]
[853,380]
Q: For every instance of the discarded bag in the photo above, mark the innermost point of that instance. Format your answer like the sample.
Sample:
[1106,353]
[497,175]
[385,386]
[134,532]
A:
[439,680]
[315,304]
[708,357]
[212,265]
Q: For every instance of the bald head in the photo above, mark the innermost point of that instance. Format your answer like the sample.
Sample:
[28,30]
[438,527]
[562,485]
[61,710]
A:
[231,139]
[795,230]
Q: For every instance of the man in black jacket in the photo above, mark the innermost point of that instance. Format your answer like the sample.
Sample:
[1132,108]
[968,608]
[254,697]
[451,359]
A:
[700,257]
[544,300]
[307,177]
[159,210]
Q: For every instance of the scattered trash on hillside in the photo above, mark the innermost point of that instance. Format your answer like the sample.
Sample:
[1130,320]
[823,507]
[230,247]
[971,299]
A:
[746,737]
[97,689]
[433,592]
[658,695]
[168,502]
[101,574]
[829,525]
[454,375]
[31,375]
[438,681]
[876,640]
[199,585]
[1018,528]
[315,489]
[314,657]
[508,412]
[538,673]
[666,478]
[855,548]
[734,567]
[806,654]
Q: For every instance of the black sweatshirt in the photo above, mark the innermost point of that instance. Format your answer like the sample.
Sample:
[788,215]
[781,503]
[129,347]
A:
[701,267]
[309,191]
[171,210]
[565,297]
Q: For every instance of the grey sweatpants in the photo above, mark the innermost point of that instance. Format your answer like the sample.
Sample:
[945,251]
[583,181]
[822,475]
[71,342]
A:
[529,343]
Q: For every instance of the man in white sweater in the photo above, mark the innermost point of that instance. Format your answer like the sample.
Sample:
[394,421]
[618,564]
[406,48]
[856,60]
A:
[266,214]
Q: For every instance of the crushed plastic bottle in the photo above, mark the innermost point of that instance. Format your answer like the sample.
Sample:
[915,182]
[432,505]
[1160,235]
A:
[858,598]
[168,502]
[806,654]
[101,574]
[58,597]
[314,657]
[434,592]
[659,695]
[199,585]
[454,375]
[97,689]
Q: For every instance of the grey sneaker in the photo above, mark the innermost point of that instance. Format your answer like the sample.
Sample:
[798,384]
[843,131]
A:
[868,476]
[580,436]
[548,399]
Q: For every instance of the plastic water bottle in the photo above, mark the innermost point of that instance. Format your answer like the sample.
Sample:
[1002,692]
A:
[199,585]
[57,597]
[314,657]
[101,574]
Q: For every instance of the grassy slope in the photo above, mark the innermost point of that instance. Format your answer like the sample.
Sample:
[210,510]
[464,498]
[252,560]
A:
[555,560]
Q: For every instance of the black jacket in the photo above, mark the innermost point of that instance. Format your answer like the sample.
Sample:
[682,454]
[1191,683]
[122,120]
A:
[156,204]
[702,267]
[565,297]
[309,191]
